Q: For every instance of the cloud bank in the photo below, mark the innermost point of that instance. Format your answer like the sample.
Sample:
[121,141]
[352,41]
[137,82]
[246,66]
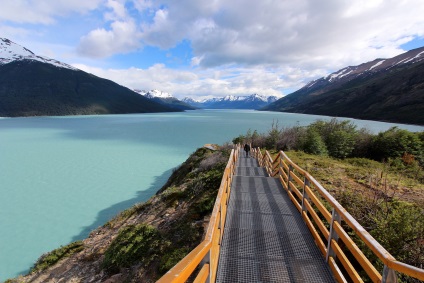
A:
[305,33]
[238,46]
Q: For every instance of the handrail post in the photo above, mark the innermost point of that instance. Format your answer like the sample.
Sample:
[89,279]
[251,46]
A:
[207,260]
[220,224]
[389,275]
[289,177]
[304,195]
[335,216]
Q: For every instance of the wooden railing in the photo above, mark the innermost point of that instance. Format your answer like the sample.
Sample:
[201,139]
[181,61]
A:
[205,256]
[346,260]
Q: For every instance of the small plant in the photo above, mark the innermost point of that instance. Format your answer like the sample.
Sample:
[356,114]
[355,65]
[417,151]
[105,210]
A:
[49,259]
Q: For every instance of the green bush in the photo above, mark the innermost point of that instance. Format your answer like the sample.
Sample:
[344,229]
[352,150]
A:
[340,143]
[134,244]
[239,140]
[313,143]
[394,143]
[49,259]
[171,259]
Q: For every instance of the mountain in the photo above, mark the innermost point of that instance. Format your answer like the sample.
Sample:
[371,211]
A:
[32,85]
[165,99]
[254,101]
[383,89]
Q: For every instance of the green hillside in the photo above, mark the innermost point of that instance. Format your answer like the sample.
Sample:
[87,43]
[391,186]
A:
[396,95]
[32,88]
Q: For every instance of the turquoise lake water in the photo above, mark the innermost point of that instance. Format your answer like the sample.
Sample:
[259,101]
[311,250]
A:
[61,177]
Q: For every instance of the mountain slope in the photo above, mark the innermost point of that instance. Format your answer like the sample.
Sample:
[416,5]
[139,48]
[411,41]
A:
[383,89]
[254,101]
[31,85]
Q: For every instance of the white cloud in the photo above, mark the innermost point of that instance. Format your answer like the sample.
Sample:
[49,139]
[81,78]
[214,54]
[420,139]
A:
[100,43]
[214,82]
[118,11]
[238,46]
[43,11]
[304,33]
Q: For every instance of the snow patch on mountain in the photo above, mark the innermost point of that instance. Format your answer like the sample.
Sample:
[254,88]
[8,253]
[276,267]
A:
[154,93]
[377,64]
[339,74]
[416,57]
[254,101]
[10,52]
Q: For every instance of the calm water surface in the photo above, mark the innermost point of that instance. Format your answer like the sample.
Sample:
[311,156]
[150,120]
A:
[61,177]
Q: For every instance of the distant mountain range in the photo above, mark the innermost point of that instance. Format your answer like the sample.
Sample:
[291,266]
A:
[254,101]
[32,85]
[165,98]
[384,89]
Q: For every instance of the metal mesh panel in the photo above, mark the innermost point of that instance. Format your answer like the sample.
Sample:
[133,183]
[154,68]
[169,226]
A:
[251,171]
[265,238]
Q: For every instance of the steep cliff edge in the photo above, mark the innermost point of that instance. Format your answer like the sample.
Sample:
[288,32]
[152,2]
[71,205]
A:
[142,243]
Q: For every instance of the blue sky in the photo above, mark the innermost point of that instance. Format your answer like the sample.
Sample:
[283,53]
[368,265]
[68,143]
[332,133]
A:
[210,48]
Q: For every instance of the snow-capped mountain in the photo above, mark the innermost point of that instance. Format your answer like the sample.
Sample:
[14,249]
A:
[33,85]
[10,52]
[154,93]
[369,68]
[165,99]
[383,89]
[254,101]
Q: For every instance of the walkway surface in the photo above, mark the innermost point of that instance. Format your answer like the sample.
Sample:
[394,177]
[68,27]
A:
[265,238]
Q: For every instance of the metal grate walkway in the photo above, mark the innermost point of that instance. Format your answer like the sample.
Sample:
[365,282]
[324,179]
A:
[265,238]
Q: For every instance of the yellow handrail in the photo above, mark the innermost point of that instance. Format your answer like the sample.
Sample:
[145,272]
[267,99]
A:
[206,254]
[302,193]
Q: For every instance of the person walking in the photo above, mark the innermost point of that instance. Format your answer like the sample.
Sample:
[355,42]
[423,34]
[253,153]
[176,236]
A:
[247,149]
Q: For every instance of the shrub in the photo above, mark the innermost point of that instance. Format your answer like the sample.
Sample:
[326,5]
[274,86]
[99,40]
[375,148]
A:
[134,244]
[394,143]
[212,161]
[49,259]
[239,140]
[171,259]
[313,143]
[290,138]
[340,143]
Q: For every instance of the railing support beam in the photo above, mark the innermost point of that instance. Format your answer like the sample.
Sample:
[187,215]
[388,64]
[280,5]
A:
[389,275]
[335,216]
[289,177]
[305,195]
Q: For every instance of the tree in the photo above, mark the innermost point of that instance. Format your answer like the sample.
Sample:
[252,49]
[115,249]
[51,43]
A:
[313,143]
[394,143]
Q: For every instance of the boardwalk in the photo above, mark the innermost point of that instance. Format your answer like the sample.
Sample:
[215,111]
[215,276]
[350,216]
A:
[265,238]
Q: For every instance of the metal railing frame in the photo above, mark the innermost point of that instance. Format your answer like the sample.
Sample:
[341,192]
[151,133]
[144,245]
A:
[302,193]
[205,256]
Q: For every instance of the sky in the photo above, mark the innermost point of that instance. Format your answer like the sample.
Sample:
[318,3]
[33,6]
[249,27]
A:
[213,48]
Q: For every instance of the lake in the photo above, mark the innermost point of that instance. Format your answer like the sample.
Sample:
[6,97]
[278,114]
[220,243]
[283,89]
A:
[61,177]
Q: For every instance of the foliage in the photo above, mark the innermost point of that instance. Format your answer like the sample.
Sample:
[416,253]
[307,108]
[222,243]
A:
[239,140]
[313,143]
[398,226]
[171,259]
[395,142]
[403,151]
[49,259]
[134,244]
